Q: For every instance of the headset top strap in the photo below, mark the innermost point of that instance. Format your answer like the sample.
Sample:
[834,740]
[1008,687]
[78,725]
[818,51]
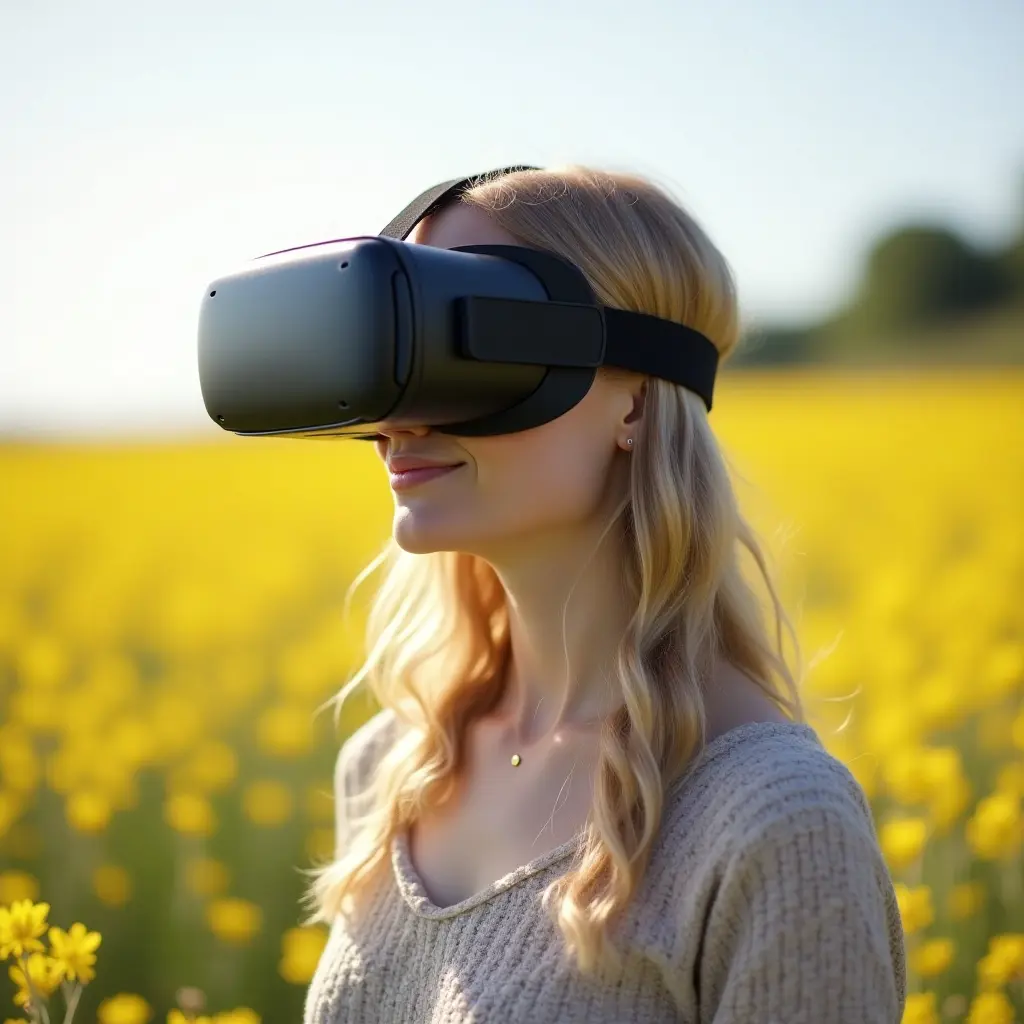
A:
[634,341]
[436,197]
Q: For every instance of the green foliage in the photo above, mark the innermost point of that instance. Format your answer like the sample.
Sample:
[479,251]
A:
[921,275]
[1011,265]
[924,294]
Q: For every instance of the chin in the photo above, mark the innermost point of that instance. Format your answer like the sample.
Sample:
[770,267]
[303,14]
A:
[421,534]
[423,530]
[415,544]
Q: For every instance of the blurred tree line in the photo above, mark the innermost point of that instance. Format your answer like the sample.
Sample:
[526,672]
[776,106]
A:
[925,294]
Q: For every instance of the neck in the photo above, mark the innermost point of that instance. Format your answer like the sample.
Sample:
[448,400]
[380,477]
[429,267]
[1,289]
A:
[568,610]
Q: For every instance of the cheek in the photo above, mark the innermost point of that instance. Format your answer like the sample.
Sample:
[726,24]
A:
[539,483]
[518,483]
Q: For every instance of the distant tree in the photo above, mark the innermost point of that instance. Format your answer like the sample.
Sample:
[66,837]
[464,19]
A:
[922,274]
[1011,263]
[915,277]
[1011,259]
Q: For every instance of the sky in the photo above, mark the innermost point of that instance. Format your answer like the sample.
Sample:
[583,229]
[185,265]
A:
[147,149]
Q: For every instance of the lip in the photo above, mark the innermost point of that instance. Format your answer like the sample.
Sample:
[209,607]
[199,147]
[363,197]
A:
[399,463]
[407,473]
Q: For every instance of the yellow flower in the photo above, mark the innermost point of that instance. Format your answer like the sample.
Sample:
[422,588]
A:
[1005,669]
[300,952]
[43,660]
[124,1008]
[211,768]
[915,907]
[920,1009]
[19,763]
[20,928]
[43,972]
[1011,946]
[285,730]
[990,1008]
[75,952]
[905,774]
[241,1015]
[88,810]
[941,767]
[234,920]
[17,885]
[902,841]
[177,1017]
[190,814]
[1010,778]
[1004,961]
[940,700]
[267,802]
[996,828]
[17,1020]
[933,957]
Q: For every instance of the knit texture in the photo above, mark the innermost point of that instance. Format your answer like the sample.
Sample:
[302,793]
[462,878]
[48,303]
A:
[766,901]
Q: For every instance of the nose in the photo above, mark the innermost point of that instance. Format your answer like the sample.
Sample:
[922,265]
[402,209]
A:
[388,430]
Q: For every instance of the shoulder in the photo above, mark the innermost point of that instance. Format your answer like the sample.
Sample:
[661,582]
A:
[770,858]
[762,780]
[767,801]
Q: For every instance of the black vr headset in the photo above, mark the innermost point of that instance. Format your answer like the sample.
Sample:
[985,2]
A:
[335,337]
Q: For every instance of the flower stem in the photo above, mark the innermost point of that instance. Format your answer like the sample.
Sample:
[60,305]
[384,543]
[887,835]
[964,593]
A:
[71,1002]
[36,1004]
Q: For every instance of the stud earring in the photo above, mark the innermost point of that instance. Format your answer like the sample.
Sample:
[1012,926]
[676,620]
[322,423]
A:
[629,440]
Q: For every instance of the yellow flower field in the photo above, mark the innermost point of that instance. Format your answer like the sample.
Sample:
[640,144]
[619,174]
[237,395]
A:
[170,620]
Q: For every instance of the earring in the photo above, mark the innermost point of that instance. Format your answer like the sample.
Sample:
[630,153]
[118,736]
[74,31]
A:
[629,440]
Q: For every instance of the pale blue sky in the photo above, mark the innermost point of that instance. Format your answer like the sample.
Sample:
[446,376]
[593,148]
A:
[146,149]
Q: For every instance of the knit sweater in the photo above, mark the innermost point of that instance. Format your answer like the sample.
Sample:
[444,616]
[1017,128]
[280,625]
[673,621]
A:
[766,901]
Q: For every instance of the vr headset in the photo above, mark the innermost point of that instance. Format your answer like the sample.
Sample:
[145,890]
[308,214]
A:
[334,338]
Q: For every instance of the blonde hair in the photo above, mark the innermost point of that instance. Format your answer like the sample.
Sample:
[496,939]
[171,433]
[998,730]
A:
[438,629]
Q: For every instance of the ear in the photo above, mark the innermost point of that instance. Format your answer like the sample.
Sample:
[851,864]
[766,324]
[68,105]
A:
[628,427]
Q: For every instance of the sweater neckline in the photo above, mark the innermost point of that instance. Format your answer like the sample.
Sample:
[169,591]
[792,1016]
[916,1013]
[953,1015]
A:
[414,892]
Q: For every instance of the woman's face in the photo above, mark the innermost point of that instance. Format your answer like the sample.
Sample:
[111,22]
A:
[507,489]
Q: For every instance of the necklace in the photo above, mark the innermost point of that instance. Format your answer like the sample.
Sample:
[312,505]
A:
[517,760]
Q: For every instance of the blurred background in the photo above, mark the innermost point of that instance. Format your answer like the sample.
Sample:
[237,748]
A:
[171,595]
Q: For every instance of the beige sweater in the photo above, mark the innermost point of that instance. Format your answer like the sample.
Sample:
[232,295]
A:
[766,902]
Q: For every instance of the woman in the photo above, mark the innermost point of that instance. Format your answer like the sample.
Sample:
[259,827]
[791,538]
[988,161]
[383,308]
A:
[591,793]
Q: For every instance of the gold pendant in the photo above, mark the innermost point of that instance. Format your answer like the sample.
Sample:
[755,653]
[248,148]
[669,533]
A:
[516,759]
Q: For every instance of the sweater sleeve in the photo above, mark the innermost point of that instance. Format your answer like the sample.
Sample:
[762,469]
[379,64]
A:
[805,927]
